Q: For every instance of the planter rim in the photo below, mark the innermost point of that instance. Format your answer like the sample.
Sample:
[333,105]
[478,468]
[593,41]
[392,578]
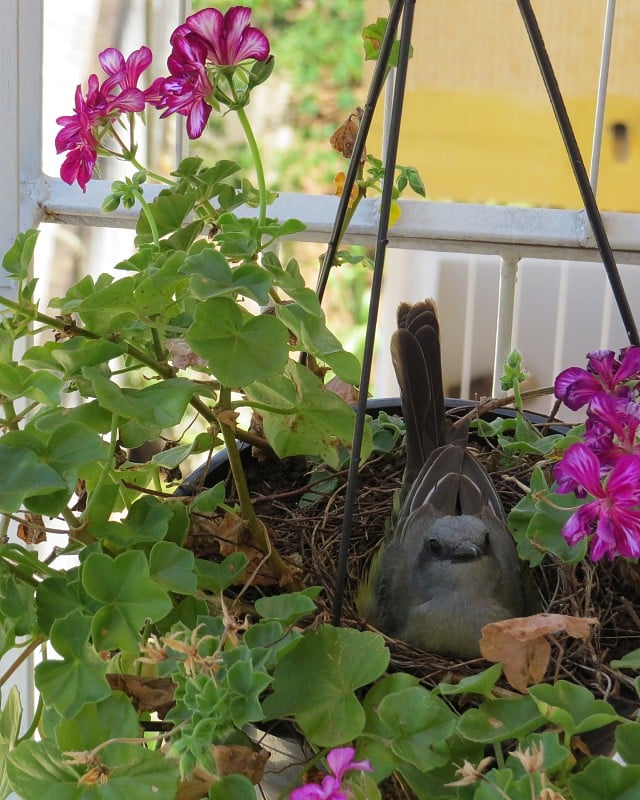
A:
[392,405]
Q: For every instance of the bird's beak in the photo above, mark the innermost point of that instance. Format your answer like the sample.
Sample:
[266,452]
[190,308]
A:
[466,551]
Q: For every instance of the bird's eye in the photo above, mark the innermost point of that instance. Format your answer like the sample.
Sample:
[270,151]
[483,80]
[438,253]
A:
[435,547]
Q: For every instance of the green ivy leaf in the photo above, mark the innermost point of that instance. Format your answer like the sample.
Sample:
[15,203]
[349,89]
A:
[169,210]
[24,479]
[286,608]
[18,380]
[572,707]
[240,348]
[316,680]
[318,422]
[418,720]
[630,660]
[172,567]
[10,719]
[234,786]
[212,276]
[628,742]
[216,577]
[111,718]
[245,687]
[374,744]
[500,719]
[129,598]
[79,678]
[18,257]
[209,500]
[160,405]
[38,769]
[605,779]
[482,683]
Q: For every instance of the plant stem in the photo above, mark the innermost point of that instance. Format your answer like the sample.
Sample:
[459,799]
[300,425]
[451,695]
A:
[257,162]
[106,469]
[149,215]
[254,525]
[24,655]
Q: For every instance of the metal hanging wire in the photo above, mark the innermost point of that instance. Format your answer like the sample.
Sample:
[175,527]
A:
[579,169]
[377,84]
[406,8]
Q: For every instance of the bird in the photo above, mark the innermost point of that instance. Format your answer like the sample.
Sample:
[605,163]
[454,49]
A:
[450,565]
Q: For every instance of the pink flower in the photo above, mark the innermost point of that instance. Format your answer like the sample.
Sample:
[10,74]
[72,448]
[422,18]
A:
[576,386]
[206,42]
[186,89]
[95,112]
[228,38]
[340,762]
[613,516]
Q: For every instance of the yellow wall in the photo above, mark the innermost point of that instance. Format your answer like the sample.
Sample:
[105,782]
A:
[477,120]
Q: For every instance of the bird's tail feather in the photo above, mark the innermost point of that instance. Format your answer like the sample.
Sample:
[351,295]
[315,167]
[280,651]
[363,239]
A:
[415,352]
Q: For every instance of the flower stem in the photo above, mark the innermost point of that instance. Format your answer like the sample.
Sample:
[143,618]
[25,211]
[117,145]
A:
[257,162]
[149,215]
[254,525]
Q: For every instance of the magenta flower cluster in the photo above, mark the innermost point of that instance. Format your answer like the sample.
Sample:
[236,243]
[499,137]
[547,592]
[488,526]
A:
[605,466]
[340,762]
[207,42]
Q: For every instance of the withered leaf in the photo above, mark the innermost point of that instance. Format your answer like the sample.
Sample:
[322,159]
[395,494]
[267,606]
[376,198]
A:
[521,644]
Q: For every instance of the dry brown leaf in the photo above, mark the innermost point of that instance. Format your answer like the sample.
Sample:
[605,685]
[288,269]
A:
[234,536]
[182,356]
[522,646]
[32,530]
[147,694]
[238,758]
[344,138]
[346,391]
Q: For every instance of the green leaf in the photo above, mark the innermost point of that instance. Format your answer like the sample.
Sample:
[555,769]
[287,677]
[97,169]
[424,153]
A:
[79,678]
[630,660]
[212,276]
[216,577]
[605,779]
[374,744]
[209,500]
[314,337]
[38,769]
[17,380]
[240,348]
[418,721]
[72,354]
[173,568]
[169,210]
[129,597]
[572,707]
[245,687]
[25,478]
[482,683]
[285,608]
[628,742]
[160,405]
[500,719]
[111,718]
[73,445]
[10,719]
[313,422]
[234,786]
[17,259]
[56,597]
[316,680]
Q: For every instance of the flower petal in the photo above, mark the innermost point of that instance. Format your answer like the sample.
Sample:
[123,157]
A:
[580,465]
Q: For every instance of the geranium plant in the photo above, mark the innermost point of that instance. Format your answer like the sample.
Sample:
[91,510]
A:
[160,670]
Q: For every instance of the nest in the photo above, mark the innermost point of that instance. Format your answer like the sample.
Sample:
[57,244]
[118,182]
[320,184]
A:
[310,537]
